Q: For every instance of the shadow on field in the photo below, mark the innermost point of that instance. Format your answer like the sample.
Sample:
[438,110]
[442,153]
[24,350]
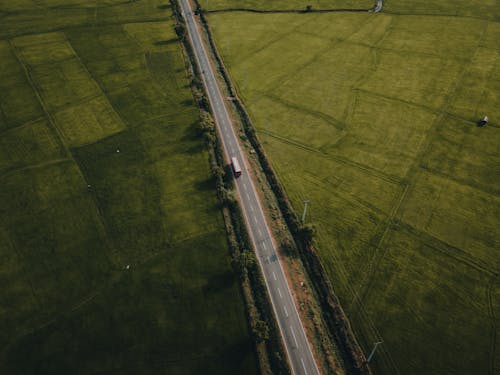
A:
[191,138]
[188,103]
[219,282]
[205,185]
[167,42]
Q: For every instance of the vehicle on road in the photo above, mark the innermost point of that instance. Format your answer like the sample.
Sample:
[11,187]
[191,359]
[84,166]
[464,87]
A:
[236,167]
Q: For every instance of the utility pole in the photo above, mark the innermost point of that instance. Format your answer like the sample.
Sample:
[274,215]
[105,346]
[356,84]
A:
[373,351]
[305,210]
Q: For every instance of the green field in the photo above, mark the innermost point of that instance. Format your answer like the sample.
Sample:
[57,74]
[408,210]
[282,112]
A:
[114,258]
[372,117]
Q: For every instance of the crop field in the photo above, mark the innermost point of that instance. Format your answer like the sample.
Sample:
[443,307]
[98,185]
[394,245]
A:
[114,258]
[373,118]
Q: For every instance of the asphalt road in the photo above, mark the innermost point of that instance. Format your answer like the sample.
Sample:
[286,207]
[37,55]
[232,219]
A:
[297,347]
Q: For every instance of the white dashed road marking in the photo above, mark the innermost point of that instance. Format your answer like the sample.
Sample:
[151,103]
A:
[294,338]
[303,365]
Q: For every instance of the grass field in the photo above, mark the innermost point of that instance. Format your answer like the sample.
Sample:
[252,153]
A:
[113,253]
[372,117]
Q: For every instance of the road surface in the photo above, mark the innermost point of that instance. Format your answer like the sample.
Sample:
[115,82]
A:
[294,337]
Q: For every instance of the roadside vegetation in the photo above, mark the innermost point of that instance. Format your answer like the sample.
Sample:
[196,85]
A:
[114,256]
[373,119]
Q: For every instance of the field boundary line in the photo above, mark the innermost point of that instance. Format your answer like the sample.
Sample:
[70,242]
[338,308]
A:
[101,89]
[431,133]
[346,196]
[285,78]
[102,228]
[107,284]
[395,13]
[73,7]
[9,171]
[272,41]
[20,126]
[337,124]
[385,177]
[460,181]
[289,11]
[84,25]
[380,251]
[410,52]
[435,111]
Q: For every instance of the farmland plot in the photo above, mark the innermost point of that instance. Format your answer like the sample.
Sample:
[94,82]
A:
[114,257]
[372,118]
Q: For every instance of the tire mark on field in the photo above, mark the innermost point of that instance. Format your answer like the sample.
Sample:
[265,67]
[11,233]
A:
[400,100]
[371,171]
[26,124]
[412,52]
[351,107]
[3,117]
[26,274]
[271,42]
[443,15]
[338,124]
[491,190]
[426,142]
[379,252]
[9,171]
[67,312]
[289,76]
[435,111]
[344,194]
[493,331]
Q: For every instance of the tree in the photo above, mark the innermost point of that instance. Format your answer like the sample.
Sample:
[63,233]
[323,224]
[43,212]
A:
[228,197]
[306,232]
[247,259]
[180,30]
[217,171]
[209,138]
[261,330]
[207,124]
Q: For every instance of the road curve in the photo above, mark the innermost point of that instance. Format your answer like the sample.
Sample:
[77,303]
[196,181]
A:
[298,349]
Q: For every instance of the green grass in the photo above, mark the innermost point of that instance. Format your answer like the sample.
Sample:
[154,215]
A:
[373,119]
[114,256]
